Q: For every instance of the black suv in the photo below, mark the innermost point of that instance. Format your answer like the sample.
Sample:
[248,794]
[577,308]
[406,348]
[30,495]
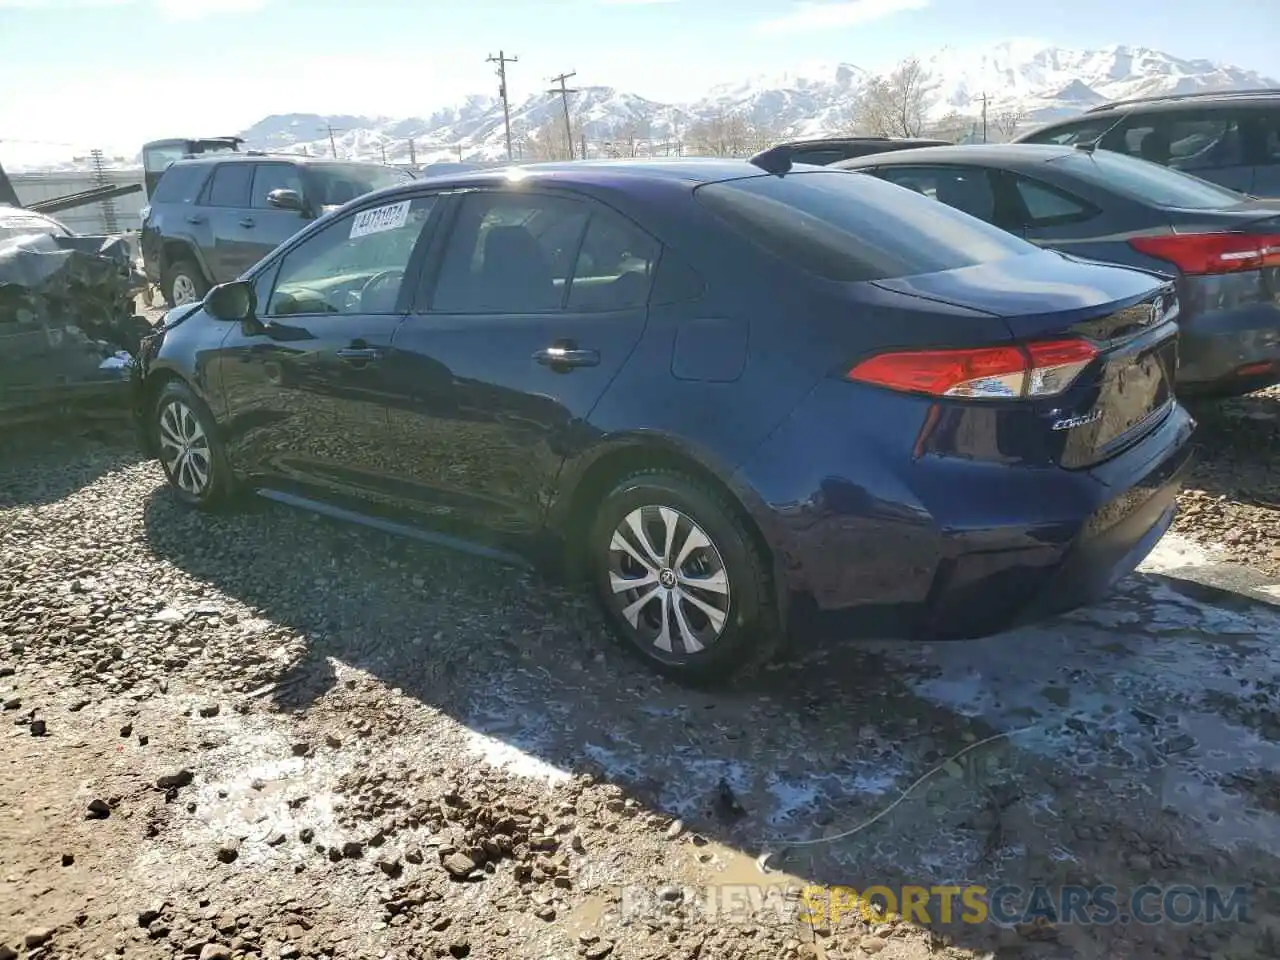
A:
[1229,137]
[212,218]
[827,150]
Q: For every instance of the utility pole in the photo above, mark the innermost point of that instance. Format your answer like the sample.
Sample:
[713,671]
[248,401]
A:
[502,60]
[100,178]
[413,153]
[984,116]
[458,147]
[564,101]
[383,148]
[333,144]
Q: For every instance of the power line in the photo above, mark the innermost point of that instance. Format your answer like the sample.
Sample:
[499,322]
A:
[564,101]
[502,60]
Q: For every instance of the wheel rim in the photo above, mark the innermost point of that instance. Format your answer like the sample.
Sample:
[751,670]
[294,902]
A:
[184,448]
[668,580]
[184,290]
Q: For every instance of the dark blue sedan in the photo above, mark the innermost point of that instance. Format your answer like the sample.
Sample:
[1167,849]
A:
[721,396]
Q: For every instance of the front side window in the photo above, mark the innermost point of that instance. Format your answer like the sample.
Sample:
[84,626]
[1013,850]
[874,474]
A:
[356,265]
[274,176]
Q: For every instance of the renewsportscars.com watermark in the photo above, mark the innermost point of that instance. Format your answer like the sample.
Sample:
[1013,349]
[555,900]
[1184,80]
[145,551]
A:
[745,903]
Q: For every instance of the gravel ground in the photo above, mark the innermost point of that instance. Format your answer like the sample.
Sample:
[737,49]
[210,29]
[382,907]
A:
[268,735]
[1233,498]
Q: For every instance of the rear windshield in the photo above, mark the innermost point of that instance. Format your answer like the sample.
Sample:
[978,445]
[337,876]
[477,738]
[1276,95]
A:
[1148,182]
[336,183]
[852,227]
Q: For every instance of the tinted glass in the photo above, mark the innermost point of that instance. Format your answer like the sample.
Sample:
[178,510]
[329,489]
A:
[1046,205]
[1148,182]
[1072,133]
[614,270]
[180,184]
[851,226]
[821,157]
[333,184]
[230,186]
[510,253]
[354,266]
[967,189]
[157,159]
[274,176]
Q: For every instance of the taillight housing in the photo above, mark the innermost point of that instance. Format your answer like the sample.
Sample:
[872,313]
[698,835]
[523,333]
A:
[1025,371]
[1204,254]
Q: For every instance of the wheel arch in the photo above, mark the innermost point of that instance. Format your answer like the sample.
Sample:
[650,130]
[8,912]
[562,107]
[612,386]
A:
[586,482]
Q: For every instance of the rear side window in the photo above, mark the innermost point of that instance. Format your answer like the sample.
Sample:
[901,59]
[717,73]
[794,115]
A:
[180,184]
[1191,140]
[1148,182]
[1047,207]
[965,188]
[1073,133]
[851,226]
[230,186]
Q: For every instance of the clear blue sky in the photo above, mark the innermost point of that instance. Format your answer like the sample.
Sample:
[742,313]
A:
[116,72]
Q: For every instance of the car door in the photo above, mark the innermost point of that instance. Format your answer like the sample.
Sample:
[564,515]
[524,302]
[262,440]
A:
[304,382]
[539,299]
[266,227]
[226,205]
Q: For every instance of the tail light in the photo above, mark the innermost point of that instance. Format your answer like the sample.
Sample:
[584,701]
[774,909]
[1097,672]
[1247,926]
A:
[1030,370]
[1200,254]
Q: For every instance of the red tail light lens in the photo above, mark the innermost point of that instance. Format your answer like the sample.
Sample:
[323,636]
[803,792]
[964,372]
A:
[1031,370]
[1202,254]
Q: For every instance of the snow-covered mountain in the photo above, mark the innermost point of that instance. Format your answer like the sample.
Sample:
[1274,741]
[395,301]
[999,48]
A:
[1027,81]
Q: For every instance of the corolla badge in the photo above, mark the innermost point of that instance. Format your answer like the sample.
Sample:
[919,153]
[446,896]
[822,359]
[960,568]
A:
[1070,423]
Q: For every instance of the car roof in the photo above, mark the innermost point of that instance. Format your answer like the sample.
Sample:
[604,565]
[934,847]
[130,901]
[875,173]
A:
[856,141]
[1211,99]
[992,154]
[259,155]
[602,172]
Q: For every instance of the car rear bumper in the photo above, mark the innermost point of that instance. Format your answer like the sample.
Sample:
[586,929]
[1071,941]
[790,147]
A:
[1229,351]
[946,548]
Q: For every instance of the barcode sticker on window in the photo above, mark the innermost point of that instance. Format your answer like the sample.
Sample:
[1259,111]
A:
[380,219]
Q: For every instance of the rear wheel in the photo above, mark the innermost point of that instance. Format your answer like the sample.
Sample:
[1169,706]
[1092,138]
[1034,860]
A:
[193,458]
[184,283]
[681,580]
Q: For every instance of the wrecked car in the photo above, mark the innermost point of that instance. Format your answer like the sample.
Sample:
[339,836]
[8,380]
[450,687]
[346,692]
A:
[68,329]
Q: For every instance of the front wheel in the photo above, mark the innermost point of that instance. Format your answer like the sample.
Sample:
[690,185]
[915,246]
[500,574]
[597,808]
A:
[189,449]
[682,581]
[184,283]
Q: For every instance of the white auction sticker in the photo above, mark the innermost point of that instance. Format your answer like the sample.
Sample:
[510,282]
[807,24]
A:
[380,219]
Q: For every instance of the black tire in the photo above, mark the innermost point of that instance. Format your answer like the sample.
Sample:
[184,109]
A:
[176,402]
[188,270]
[751,635]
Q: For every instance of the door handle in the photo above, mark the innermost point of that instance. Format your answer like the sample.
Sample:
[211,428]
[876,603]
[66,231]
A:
[359,354]
[194,219]
[566,357]
[246,222]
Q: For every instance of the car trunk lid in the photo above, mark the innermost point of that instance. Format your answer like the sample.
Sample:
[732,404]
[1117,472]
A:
[1127,315]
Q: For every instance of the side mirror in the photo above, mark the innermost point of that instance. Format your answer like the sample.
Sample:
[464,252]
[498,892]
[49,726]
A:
[285,200]
[232,301]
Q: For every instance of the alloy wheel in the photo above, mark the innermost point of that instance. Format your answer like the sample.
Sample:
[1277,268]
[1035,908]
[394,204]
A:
[668,580]
[184,448]
[184,290]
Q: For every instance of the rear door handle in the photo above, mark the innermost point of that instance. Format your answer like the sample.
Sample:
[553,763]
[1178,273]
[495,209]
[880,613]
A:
[246,222]
[567,357]
[194,219]
[359,354]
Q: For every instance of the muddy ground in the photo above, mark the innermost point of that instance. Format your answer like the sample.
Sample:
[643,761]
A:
[269,735]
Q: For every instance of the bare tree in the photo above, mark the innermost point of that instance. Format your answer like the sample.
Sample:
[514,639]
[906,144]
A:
[895,105]
[954,127]
[548,142]
[730,135]
[1008,120]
